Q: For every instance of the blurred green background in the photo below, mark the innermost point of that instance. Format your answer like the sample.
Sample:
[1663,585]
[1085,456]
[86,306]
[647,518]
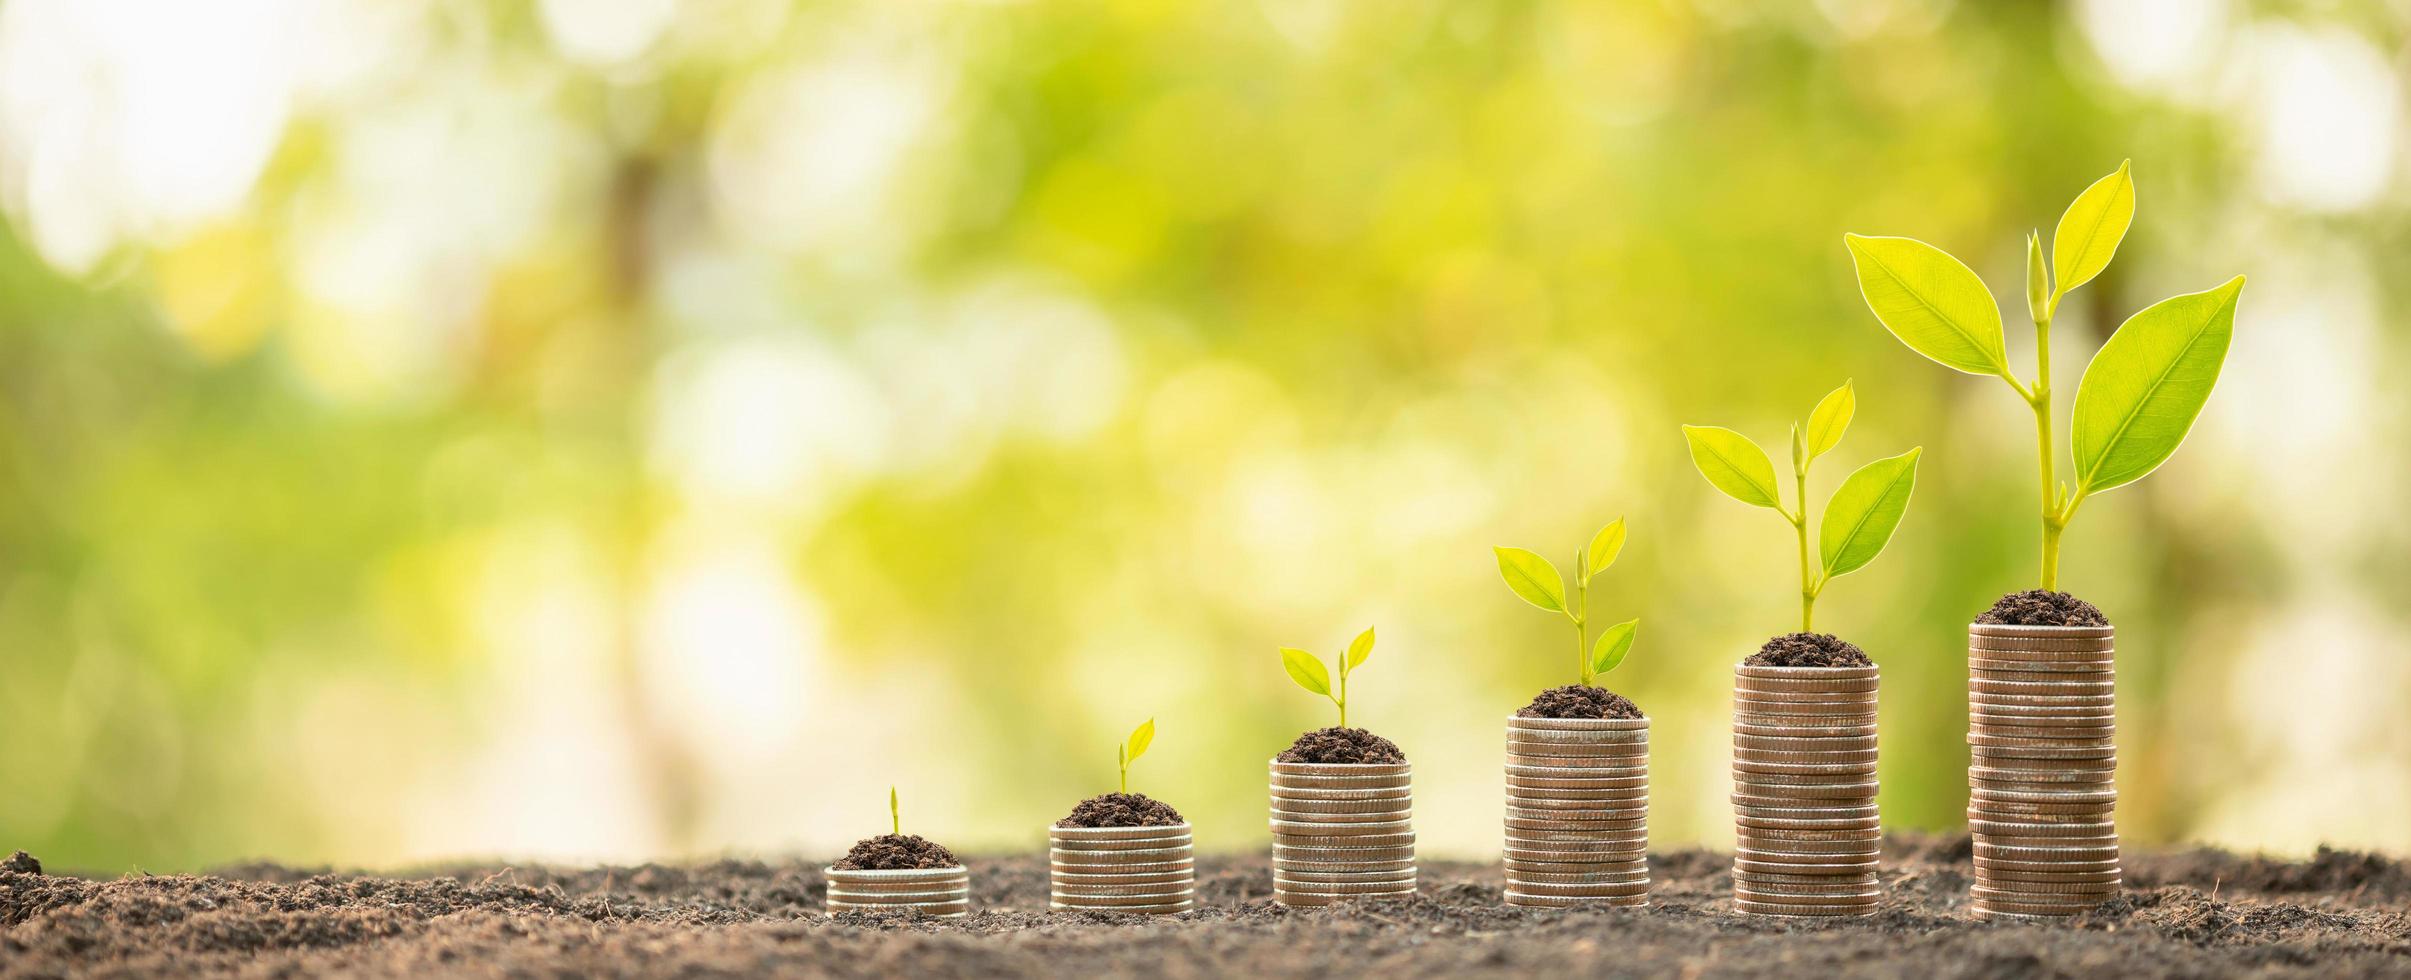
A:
[615,429]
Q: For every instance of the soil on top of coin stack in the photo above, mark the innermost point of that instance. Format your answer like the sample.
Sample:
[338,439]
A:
[896,852]
[2035,607]
[22,863]
[1347,746]
[1121,810]
[1809,650]
[1580,701]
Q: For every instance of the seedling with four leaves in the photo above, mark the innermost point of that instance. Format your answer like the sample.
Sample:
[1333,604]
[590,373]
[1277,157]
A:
[1307,669]
[2139,396]
[1538,582]
[1859,518]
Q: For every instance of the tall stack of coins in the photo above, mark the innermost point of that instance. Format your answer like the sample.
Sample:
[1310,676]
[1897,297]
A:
[1122,869]
[2042,788]
[942,892]
[1804,791]
[1342,831]
[1577,811]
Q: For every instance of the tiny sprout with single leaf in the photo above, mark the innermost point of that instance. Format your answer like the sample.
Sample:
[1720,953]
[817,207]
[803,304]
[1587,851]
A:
[2138,398]
[1129,751]
[1860,516]
[895,817]
[1307,669]
[1537,581]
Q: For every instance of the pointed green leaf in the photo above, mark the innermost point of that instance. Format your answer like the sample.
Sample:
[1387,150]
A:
[1831,419]
[2141,394]
[1934,303]
[1613,643]
[2090,230]
[1733,463]
[1799,449]
[1307,670]
[1864,512]
[1360,648]
[1140,738]
[1605,546]
[2038,279]
[1532,577]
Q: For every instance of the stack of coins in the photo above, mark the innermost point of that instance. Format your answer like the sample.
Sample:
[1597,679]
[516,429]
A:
[1804,791]
[942,892]
[1577,811]
[1122,869]
[2042,787]
[1342,832]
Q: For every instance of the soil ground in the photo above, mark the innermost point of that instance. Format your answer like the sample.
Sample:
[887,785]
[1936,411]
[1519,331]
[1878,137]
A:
[2185,914]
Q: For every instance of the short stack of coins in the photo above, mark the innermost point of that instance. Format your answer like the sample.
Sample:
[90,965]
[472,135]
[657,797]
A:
[1150,870]
[942,892]
[1809,840]
[2042,783]
[1342,832]
[1577,811]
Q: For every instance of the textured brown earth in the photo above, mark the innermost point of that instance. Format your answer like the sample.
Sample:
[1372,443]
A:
[2186,914]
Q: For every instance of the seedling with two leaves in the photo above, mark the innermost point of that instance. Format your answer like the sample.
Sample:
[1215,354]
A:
[2140,395]
[1307,669]
[1130,750]
[1859,518]
[1538,582]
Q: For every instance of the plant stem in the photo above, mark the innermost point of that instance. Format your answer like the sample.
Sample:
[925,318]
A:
[1121,754]
[2053,520]
[1808,592]
[1582,588]
[1342,699]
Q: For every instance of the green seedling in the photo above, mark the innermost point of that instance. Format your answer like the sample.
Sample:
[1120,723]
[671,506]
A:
[1537,581]
[1129,751]
[2137,399]
[1859,518]
[895,817]
[1307,669]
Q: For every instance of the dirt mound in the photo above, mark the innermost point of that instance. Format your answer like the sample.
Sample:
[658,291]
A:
[1580,701]
[1342,745]
[2035,607]
[895,852]
[1121,810]
[1809,650]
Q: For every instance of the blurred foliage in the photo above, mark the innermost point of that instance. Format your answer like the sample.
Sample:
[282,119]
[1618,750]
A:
[617,430]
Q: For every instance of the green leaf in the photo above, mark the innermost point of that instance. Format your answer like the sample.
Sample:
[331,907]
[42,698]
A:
[1864,512]
[1532,577]
[1733,463]
[1140,738]
[2142,392]
[1307,670]
[2090,230]
[2038,279]
[1831,419]
[1605,546]
[1614,642]
[1934,303]
[1360,648]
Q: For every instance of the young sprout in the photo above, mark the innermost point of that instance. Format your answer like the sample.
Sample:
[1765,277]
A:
[895,817]
[2137,399]
[1537,581]
[1859,518]
[1307,669]
[1130,751]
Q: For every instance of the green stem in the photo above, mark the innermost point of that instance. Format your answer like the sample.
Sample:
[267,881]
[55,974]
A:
[2053,520]
[1808,591]
[1582,589]
[1342,699]
[1121,754]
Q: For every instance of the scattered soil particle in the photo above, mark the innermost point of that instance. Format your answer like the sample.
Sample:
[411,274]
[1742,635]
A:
[2180,918]
[1580,701]
[895,852]
[1121,810]
[1342,745]
[2035,607]
[22,863]
[1809,650]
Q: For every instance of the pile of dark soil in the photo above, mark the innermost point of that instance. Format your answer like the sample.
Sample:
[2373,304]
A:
[895,852]
[2035,607]
[1342,745]
[2186,914]
[1121,810]
[1580,701]
[1809,650]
